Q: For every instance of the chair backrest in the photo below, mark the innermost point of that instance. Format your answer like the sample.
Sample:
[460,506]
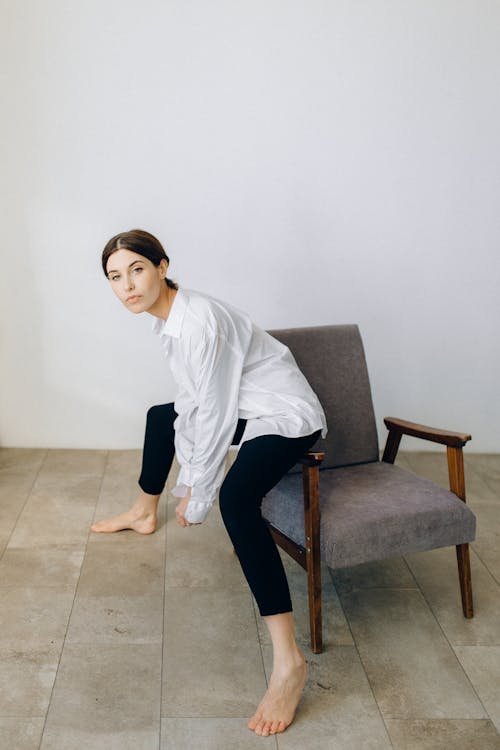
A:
[333,360]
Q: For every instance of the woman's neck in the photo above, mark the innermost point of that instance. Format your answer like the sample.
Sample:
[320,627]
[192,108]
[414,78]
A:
[163,305]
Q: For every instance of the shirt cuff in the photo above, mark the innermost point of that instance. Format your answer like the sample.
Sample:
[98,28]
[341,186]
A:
[197,510]
[180,489]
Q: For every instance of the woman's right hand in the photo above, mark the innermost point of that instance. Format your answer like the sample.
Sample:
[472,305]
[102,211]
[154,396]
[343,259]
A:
[180,510]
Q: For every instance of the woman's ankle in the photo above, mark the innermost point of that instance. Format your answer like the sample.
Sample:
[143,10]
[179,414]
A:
[284,662]
[147,504]
[287,656]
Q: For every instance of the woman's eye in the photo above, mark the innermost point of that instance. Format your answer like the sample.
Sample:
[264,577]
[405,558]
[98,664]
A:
[138,268]
[114,278]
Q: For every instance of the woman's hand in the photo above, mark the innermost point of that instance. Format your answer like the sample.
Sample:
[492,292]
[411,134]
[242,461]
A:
[181,509]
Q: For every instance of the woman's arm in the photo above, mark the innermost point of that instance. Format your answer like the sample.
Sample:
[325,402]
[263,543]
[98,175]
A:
[216,369]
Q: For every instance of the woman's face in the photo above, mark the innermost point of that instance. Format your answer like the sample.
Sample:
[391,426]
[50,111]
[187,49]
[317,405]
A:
[136,281]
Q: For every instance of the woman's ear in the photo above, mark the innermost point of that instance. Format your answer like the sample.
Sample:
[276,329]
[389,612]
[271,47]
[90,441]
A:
[163,268]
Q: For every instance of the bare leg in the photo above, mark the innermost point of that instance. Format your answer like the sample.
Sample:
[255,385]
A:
[142,517]
[277,708]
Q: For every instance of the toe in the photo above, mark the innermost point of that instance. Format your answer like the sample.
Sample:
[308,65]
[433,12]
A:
[266,729]
[274,727]
[252,723]
[259,729]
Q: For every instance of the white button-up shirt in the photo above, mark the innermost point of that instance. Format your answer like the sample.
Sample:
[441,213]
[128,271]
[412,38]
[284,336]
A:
[226,367]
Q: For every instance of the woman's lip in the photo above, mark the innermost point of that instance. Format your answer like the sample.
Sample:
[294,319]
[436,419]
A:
[134,298]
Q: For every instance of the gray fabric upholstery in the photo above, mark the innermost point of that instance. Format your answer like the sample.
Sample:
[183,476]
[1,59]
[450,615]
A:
[333,361]
[372,512]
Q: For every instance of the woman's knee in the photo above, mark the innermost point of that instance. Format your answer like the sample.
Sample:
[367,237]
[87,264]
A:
[158,417]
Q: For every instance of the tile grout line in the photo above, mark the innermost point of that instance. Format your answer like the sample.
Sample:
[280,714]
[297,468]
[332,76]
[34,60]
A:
[434,615]
[98,494]
[253,604]
[489,572]
[163,645]
[361,660]
[478,474]
[28,495]
[462,668]
[470,681]
[470,466]
[431,610]
[483,563]
[487,483]
[260,639]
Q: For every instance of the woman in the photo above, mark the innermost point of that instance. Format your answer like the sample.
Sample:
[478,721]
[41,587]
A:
[238,386]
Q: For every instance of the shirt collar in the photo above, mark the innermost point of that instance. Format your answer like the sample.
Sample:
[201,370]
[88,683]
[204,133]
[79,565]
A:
[172,326]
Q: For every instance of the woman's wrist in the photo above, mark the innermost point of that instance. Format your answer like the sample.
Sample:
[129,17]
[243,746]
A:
[180,510]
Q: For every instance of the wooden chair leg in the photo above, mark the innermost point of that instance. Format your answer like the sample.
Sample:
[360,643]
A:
[315,609]
[457,486]
[465,579]
[313,555]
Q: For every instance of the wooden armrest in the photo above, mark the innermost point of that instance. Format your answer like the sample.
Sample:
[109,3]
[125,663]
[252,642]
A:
[312,458]
[436,435]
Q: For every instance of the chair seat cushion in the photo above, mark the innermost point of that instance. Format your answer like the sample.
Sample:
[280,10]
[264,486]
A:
[372,512]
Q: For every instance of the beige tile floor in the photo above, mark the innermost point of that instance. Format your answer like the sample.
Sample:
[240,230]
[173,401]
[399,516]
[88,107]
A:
[118,642]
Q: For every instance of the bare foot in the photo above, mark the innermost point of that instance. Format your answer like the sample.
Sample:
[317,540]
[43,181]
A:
[144,522]
[142,517]
[277,708]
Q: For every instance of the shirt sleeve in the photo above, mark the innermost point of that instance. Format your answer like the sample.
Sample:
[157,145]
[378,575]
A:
[216,371]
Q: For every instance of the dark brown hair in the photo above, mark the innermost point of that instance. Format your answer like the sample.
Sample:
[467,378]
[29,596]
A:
[140,242]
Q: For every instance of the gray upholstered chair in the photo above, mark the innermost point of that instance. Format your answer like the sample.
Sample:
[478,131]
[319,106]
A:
[343,505]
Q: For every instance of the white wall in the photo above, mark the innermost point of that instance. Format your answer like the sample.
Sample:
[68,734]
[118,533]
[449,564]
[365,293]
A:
[312,163]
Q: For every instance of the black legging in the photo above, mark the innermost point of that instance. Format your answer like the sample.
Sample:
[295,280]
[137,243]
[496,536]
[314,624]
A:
[260,464]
